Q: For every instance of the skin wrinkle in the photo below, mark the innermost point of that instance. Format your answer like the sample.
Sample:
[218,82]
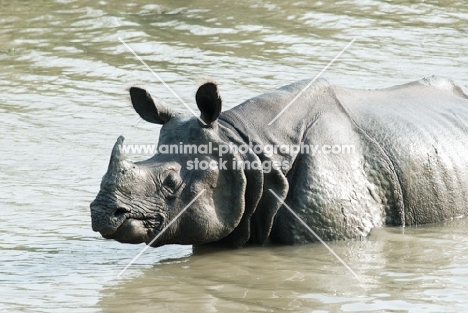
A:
[398,193]
[140,208]
[422,115]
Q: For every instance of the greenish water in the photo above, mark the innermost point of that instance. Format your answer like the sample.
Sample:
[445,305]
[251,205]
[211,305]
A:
[63,102]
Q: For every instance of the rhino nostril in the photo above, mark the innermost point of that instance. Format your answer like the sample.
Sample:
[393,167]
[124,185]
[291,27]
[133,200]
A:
[121,211]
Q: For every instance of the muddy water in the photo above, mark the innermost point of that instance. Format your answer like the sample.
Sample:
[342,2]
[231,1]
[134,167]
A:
[63,102]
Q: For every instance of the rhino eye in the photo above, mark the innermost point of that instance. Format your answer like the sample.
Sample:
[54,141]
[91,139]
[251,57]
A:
[172,181]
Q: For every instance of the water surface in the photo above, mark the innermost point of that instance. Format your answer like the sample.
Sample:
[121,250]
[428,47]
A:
[63,102]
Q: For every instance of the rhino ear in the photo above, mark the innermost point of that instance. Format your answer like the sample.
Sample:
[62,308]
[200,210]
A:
[152,111]
[208,102]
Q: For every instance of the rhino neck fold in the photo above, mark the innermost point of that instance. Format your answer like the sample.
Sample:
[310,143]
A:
[291,127]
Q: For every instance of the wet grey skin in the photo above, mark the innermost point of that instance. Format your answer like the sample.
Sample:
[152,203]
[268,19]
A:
[408,166]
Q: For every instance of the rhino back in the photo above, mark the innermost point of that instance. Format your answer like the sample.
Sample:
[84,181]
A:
[409,165]
[338,195]
[423,129]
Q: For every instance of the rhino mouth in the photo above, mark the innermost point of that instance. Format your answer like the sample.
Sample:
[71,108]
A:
[133,228]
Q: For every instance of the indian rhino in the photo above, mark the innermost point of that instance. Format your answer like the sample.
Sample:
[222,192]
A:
[408,165]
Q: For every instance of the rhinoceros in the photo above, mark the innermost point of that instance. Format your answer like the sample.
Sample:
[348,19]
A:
[408,166]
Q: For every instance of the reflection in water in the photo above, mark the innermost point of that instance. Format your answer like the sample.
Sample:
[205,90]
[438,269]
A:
[63,102]
[398,270]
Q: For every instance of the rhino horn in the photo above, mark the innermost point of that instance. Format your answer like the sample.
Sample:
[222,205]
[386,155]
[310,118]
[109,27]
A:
[117,158]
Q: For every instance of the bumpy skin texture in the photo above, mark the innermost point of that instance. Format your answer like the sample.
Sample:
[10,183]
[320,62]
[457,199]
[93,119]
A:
[409,166]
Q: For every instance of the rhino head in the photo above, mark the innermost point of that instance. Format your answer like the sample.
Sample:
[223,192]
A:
[138,200]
